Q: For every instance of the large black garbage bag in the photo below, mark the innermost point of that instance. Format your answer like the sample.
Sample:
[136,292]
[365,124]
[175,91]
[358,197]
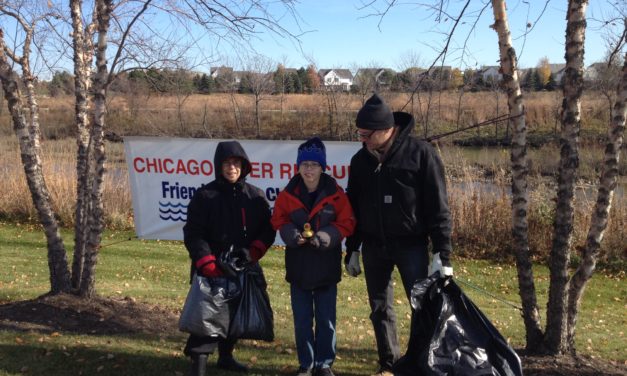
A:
[207,310]
[451,336]
[253,317]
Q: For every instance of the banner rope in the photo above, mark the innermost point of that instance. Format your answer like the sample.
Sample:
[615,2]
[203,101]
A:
[485,292]
[118,242]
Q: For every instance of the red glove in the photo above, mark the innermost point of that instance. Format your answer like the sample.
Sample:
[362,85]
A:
[207,267]
[257,250]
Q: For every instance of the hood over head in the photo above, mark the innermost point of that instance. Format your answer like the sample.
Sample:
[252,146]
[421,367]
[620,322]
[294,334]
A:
[228,149]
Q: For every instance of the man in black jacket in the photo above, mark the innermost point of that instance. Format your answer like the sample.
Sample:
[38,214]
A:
[228,212]
[397,189]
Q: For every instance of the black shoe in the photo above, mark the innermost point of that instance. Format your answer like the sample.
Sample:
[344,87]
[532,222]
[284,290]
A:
[230,364]
[326,371]
[199,365]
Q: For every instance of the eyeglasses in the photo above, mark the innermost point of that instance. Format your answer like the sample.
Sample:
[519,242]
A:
[236,162]
[309,165]
[365,135]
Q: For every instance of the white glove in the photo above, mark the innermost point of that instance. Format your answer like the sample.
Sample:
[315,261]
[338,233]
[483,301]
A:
[436,266]
[352,267]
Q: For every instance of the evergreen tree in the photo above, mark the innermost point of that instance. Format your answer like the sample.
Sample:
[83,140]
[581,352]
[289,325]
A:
[304,80]
[280,78]
[551,85]
[205,84]
[62,83]
[538,80]
[296,79]
[529,82]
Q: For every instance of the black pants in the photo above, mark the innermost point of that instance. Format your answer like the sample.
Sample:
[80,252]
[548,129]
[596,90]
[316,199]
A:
[207,345]
[379,261]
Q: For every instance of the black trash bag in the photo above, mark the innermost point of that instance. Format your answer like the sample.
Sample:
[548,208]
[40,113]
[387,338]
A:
[208,306]
[231,263]
[451,336]
[253,317]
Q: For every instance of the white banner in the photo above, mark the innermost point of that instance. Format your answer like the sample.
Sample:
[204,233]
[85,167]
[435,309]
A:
[165,172]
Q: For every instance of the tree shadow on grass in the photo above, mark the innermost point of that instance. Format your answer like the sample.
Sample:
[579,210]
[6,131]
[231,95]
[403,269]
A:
[52,360]
[69,313]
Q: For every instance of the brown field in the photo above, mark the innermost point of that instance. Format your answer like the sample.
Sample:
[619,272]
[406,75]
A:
[297,116]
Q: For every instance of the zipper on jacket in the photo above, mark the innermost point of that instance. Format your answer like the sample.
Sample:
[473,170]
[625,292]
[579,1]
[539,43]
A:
[244,222]
[379,201]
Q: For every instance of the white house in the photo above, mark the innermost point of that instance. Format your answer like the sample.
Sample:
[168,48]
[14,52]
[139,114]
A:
[557,70]
[336,78]
[593,71]
[490,73]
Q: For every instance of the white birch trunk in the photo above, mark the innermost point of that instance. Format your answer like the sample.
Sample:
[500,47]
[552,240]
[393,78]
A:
[598,224]
[83,58]
[555,335]
[520,228]
[95,220]
[27,132]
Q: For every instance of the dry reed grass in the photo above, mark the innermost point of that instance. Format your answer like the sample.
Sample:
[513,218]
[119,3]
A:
[480,207]
[59,165]
[482,219]
[301,115]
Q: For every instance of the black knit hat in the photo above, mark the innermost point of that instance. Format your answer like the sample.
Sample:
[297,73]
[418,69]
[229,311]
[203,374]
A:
[375,114]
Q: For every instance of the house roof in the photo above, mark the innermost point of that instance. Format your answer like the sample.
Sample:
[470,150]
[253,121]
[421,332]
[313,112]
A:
[487,68]
[220,70]
[597,66]
[555,68]
[342,73]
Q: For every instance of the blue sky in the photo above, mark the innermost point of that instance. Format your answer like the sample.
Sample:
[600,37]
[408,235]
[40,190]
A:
[340,35]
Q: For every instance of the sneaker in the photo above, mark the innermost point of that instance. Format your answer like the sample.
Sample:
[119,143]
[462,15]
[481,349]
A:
[303,372]
[383,372]
[326,371]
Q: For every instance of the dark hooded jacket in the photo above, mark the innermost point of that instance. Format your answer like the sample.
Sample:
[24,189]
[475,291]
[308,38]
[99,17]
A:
[331,218]
[402,200]
[221,214]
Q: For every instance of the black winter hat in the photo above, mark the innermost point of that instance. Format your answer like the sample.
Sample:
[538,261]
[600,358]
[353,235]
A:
[375,114]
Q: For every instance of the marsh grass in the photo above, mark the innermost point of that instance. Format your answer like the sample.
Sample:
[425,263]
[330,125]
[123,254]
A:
[156,272]
[478,192]
[59,167]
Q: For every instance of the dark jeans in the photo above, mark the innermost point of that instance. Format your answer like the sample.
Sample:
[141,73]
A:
[379,261]
[315,349]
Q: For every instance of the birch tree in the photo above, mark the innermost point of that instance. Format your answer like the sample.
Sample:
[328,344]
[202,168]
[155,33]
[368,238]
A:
[95,68]
[520,196]
[605,196]
[22,105]
[555,336]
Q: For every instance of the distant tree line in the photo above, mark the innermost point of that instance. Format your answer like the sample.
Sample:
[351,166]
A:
[305,80]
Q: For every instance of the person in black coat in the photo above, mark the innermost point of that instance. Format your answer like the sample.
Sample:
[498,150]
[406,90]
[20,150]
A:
[397,189]
[228,212]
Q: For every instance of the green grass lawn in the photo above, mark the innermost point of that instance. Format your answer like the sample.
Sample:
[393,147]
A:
[156,272]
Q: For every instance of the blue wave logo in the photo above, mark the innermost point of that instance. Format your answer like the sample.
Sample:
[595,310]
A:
[170,211]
